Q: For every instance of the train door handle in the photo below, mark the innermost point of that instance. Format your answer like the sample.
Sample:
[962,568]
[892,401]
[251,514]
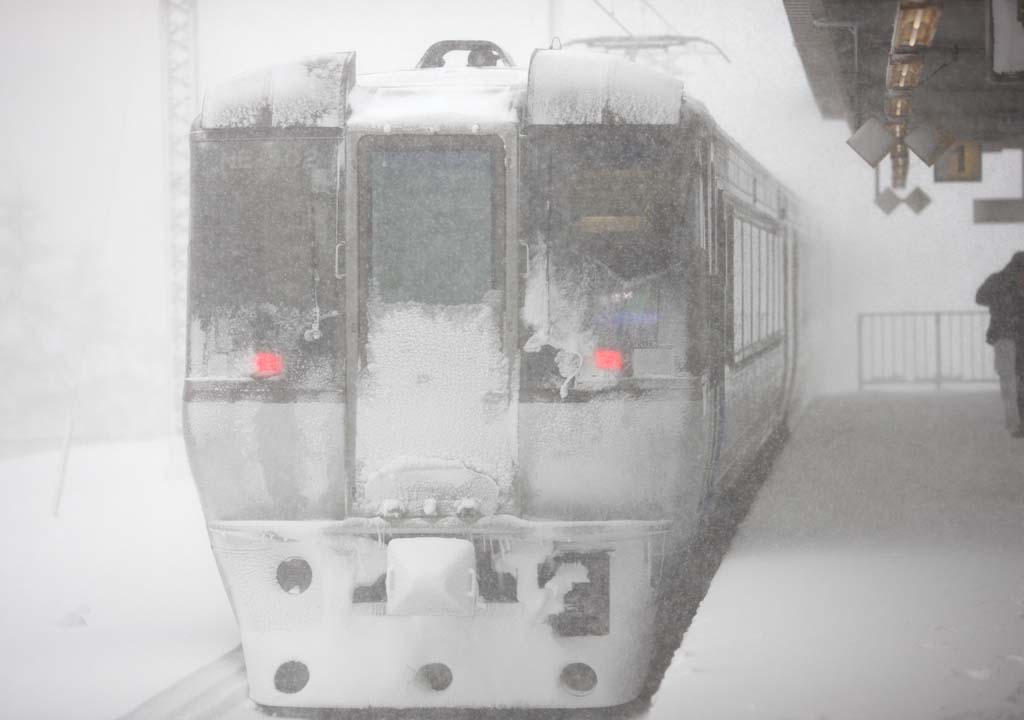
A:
[338,253]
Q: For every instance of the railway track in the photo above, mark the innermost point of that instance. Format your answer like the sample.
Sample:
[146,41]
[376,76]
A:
[218,691]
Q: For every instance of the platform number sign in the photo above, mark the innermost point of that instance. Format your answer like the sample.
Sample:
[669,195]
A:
[961,163]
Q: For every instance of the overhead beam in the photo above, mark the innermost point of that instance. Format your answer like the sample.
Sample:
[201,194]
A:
[999,211]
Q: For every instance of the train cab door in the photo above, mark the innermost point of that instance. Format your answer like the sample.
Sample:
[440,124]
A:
[433,390]
[716,309]
[792,316]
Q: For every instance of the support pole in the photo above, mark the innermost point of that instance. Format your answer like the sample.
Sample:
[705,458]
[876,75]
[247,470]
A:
[179,20]
[860,351]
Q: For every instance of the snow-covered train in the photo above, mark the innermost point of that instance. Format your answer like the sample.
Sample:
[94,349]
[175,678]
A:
[470,347]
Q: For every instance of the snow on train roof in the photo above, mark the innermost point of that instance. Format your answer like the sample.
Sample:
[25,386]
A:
[448,77]
[580,88]
[304,93]
[438,95]
[562,87]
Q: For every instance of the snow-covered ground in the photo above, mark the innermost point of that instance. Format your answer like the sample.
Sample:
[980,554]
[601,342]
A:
[879,575]
[117,597]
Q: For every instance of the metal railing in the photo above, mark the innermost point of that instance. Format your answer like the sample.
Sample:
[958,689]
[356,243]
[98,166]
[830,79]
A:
[932,348]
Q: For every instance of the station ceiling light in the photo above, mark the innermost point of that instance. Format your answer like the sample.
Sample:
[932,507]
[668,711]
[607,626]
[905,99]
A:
[904,71]
[913,33]
[897,105]
[898,129]
[900,165]
[916,23]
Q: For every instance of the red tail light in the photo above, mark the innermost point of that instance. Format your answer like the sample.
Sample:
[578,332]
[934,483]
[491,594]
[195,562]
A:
[607,359]
[266,365]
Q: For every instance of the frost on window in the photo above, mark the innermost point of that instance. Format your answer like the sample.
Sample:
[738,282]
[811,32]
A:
[431,209]
[612,215]
[262,281]
[613,199]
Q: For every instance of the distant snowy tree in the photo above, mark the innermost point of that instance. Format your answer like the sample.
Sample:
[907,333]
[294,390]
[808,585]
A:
[31,270]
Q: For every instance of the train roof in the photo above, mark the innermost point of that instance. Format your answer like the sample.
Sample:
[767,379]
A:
[463,77]
[560,87]
[438,96]
[570,87]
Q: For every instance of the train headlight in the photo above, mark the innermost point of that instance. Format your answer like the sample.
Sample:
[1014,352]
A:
[294,575]
[434,676]
[291,677]
[578,678]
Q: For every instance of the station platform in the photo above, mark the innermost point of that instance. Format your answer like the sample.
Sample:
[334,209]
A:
[878,574]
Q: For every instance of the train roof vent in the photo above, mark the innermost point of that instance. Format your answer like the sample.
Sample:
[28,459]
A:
[465,53]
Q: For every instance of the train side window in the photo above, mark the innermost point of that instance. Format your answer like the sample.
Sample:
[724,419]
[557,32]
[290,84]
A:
[757,287]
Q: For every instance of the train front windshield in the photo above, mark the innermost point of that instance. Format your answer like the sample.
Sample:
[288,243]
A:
[613,196]
[263,296]
[430,218]
[614,211]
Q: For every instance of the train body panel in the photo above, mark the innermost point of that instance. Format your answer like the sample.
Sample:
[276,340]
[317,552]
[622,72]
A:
[516,326]
[265,461]
[752,409]
[613,458]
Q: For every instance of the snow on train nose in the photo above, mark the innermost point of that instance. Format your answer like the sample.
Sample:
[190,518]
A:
[430,487]
[431,576]
[472,619]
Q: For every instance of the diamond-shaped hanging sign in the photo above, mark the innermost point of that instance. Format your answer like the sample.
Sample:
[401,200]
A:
[872,141]
[887,200]
[929,142]
[918,200]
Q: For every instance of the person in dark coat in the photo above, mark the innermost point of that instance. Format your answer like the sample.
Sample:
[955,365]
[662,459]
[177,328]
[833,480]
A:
[1003,294]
